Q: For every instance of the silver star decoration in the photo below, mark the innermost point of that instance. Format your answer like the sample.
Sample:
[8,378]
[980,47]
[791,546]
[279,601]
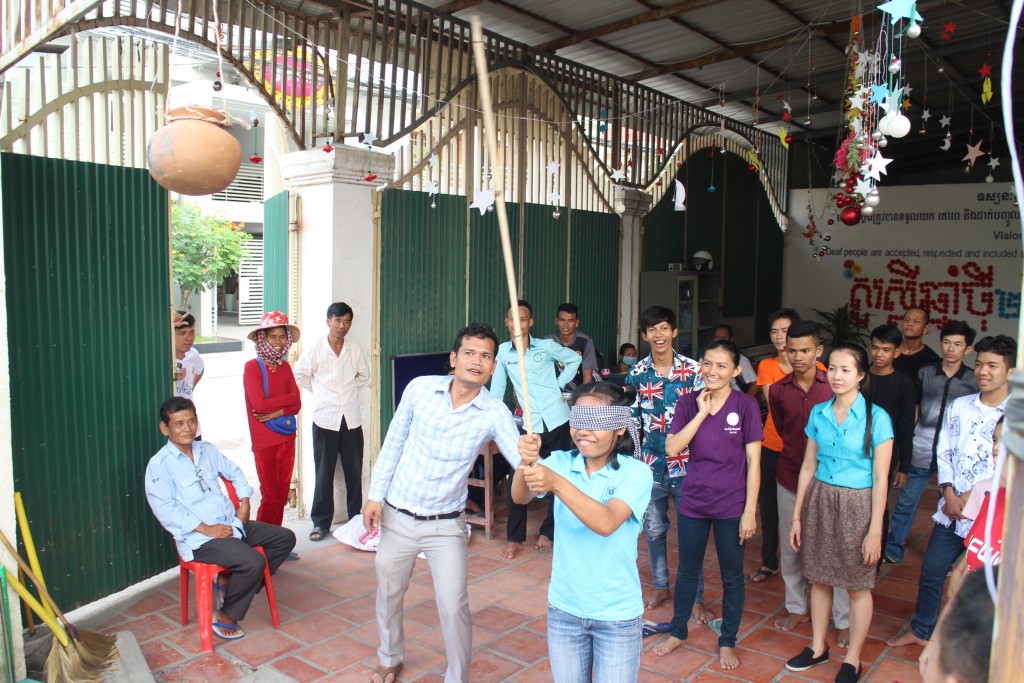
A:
[906,91]
[973,152]
[369,139]
[944,121]
[863,91]
[856,102]
[553,167]
[863,187]
[876,165]
[617,175]
[837,176]
[858,124]
[893,100]
[555,197]
[432,189]
[925,115]
[433,160]
[481,200]
[786,105]
[993,162]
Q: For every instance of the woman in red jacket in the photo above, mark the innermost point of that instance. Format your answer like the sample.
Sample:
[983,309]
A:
[271,401]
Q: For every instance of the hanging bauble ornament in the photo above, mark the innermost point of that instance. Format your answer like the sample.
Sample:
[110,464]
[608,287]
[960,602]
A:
[255,122]
[867,210]
[883,142]
[255,159]
[899,126]
[850,215]
[914,30]
[217,85]
[788,139]
[327,147]
[193,153]
[556,214]
[711,188]
[433,203]
[990,178]
[968,168]
[830,221]
[751,167]
[679,164]
[370,177]
[883,127]
[872,199]
[876,135]
[894,65]
[490,209]
[828,238]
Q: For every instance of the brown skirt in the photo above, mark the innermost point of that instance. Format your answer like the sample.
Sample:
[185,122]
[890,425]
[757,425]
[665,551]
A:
[835,521]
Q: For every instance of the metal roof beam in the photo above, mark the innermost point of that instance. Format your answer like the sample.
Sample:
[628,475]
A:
[458,5]
[637,20]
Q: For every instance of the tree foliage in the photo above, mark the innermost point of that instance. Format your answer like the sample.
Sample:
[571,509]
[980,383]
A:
[204,249]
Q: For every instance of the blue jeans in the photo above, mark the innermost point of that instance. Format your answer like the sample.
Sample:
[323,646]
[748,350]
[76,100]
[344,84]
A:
[904,511]
[579,648]
[656,529]
[693,541]
[944,547]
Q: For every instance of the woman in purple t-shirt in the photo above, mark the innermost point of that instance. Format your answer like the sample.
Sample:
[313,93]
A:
[722,429]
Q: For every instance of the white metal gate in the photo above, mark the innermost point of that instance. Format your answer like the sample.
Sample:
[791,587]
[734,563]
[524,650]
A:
[250,283]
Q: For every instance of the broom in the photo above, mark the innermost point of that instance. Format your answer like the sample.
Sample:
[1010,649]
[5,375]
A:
[76,654]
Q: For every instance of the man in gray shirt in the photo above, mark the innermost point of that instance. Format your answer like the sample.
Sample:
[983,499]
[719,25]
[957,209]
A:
[939,384]
[567,320]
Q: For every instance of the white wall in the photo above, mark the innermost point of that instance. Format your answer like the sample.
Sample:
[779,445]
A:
[954,249]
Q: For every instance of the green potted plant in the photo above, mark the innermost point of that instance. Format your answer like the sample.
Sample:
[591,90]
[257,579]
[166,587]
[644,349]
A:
[843,325]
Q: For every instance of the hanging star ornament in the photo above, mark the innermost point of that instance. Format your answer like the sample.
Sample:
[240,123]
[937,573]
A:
[973,152]
[553,167]
[554,197]
[986,91]
[944,121]
[879,92]
[863,187]
[617,175]
[433,160]
[985,70]
[876,167]
[369,139]
[901,9]
[925,115]
[993,162]
[432,188]
[482,200]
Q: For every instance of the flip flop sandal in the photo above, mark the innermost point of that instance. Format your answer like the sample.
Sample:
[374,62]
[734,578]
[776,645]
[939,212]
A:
[220,594]
[650,628]
[293,556]
[318,534]
[219,627]
[716,626]
[382,673]
[762,575]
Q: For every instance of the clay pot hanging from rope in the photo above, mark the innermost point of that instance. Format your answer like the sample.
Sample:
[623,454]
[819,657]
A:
[193,153]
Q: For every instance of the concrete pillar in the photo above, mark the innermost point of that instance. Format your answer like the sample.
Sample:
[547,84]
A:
[337,262]
[635,205]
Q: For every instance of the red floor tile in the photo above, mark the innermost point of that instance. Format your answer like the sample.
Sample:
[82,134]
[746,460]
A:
[490,667]
[312,628]
[337,653]
[499,619]
[155,602]
[301,671]
[523,645]
[259,648]
[209,667]
[160,655]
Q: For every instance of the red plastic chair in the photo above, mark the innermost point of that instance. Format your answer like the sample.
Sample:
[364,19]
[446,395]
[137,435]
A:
[205,574]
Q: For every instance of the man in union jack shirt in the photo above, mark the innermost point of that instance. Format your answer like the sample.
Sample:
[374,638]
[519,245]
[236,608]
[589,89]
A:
[660,379]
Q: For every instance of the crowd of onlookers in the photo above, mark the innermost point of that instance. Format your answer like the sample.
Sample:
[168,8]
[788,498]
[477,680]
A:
[830,447]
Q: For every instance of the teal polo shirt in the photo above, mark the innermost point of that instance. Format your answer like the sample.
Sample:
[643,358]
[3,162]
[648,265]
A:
[841,457]
[594,576]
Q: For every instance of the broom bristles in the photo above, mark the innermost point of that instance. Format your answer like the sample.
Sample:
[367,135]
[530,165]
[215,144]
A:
[84,660]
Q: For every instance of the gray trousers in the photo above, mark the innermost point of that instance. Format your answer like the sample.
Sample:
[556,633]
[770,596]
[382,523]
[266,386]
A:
[444,542]
[793,567]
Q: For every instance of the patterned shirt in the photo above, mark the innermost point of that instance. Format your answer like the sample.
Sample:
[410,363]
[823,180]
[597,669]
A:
[430,447]
[965,449]
[655,406]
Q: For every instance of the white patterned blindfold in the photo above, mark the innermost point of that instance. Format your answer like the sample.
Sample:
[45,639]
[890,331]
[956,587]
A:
[605,418]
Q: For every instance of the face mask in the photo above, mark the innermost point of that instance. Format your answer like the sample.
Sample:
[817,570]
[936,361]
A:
[629,361]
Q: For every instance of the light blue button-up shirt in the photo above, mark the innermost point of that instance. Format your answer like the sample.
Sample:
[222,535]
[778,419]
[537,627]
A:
[841,457]
[595,576]
[431,446]
[184,494]
[547,409]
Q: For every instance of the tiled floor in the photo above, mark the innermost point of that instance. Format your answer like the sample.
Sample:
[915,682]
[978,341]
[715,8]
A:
[328,631]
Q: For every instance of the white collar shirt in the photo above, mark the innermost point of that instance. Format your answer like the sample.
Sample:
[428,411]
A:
[334,380]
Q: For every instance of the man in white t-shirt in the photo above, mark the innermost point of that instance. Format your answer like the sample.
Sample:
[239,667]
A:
[188,364]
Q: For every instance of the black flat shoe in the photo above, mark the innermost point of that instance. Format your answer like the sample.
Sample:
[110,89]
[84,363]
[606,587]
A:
[847,674]
[806,659]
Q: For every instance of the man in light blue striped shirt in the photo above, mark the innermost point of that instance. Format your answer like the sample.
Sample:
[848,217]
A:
[418,489]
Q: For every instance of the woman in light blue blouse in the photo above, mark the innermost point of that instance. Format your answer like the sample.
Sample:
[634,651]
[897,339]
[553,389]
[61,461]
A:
[840,503]
[601,489]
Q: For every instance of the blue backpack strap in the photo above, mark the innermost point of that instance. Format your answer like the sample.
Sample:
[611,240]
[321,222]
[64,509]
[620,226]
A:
[266,383]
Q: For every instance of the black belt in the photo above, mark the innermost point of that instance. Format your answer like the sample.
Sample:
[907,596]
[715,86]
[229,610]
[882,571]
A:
[427,518]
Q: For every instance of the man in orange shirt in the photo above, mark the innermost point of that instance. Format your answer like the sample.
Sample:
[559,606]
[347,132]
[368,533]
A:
[770,371]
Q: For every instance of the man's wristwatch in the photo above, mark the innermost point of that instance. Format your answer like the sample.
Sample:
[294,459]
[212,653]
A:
[943,486]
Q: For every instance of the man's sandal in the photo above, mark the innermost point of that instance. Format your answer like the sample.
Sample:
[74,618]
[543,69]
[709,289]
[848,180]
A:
[318,534]
[386,674]
[762,575]
[220,630]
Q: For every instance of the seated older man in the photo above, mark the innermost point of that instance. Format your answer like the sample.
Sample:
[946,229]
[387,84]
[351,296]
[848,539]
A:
[183,490]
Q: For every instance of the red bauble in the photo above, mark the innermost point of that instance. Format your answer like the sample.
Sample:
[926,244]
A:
[831,222]
[370,177]
[679,164]
[751,167]
[659,183]
[327,148]
[256,159]
[789,139]
[840,195]
[850,215]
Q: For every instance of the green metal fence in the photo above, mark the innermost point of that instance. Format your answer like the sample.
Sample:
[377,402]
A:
[275,253]
[443,267]
[86,257]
